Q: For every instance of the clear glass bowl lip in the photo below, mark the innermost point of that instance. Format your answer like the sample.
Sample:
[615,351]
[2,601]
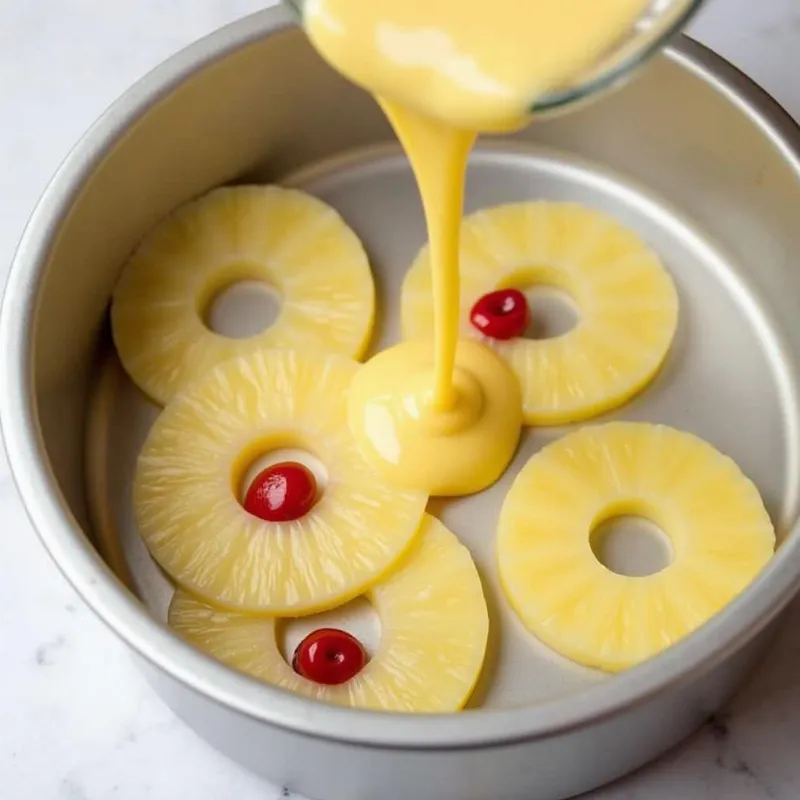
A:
[554,101]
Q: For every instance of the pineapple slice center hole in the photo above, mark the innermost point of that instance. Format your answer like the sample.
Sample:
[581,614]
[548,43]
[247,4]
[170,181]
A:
[358,618]
[278,455]
[553,312]
[243,309]
[631,545]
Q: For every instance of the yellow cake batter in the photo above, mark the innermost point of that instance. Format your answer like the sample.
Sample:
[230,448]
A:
[444,71]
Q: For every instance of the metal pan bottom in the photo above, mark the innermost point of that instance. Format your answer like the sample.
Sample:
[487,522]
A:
[724,380]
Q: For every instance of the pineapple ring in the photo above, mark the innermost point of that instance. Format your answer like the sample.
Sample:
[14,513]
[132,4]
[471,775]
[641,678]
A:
[720,532]
[192,464]
[434,632]
[627,302]
[281,237]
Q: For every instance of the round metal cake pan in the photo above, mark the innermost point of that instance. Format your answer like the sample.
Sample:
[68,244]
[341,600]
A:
[690,134]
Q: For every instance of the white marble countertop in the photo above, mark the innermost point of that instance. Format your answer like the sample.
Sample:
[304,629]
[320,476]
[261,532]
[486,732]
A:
[78,722]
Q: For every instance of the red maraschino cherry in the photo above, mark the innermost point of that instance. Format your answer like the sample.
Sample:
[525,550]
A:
[330,656]
[281,492]
[501,315]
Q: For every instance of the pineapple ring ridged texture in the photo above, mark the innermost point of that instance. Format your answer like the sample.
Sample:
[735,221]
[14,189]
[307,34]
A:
[720,533]
[434,631]
[190,470]
[284,238]
[627,303]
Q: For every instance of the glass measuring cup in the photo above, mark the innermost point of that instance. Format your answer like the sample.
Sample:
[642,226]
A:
[660,20]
